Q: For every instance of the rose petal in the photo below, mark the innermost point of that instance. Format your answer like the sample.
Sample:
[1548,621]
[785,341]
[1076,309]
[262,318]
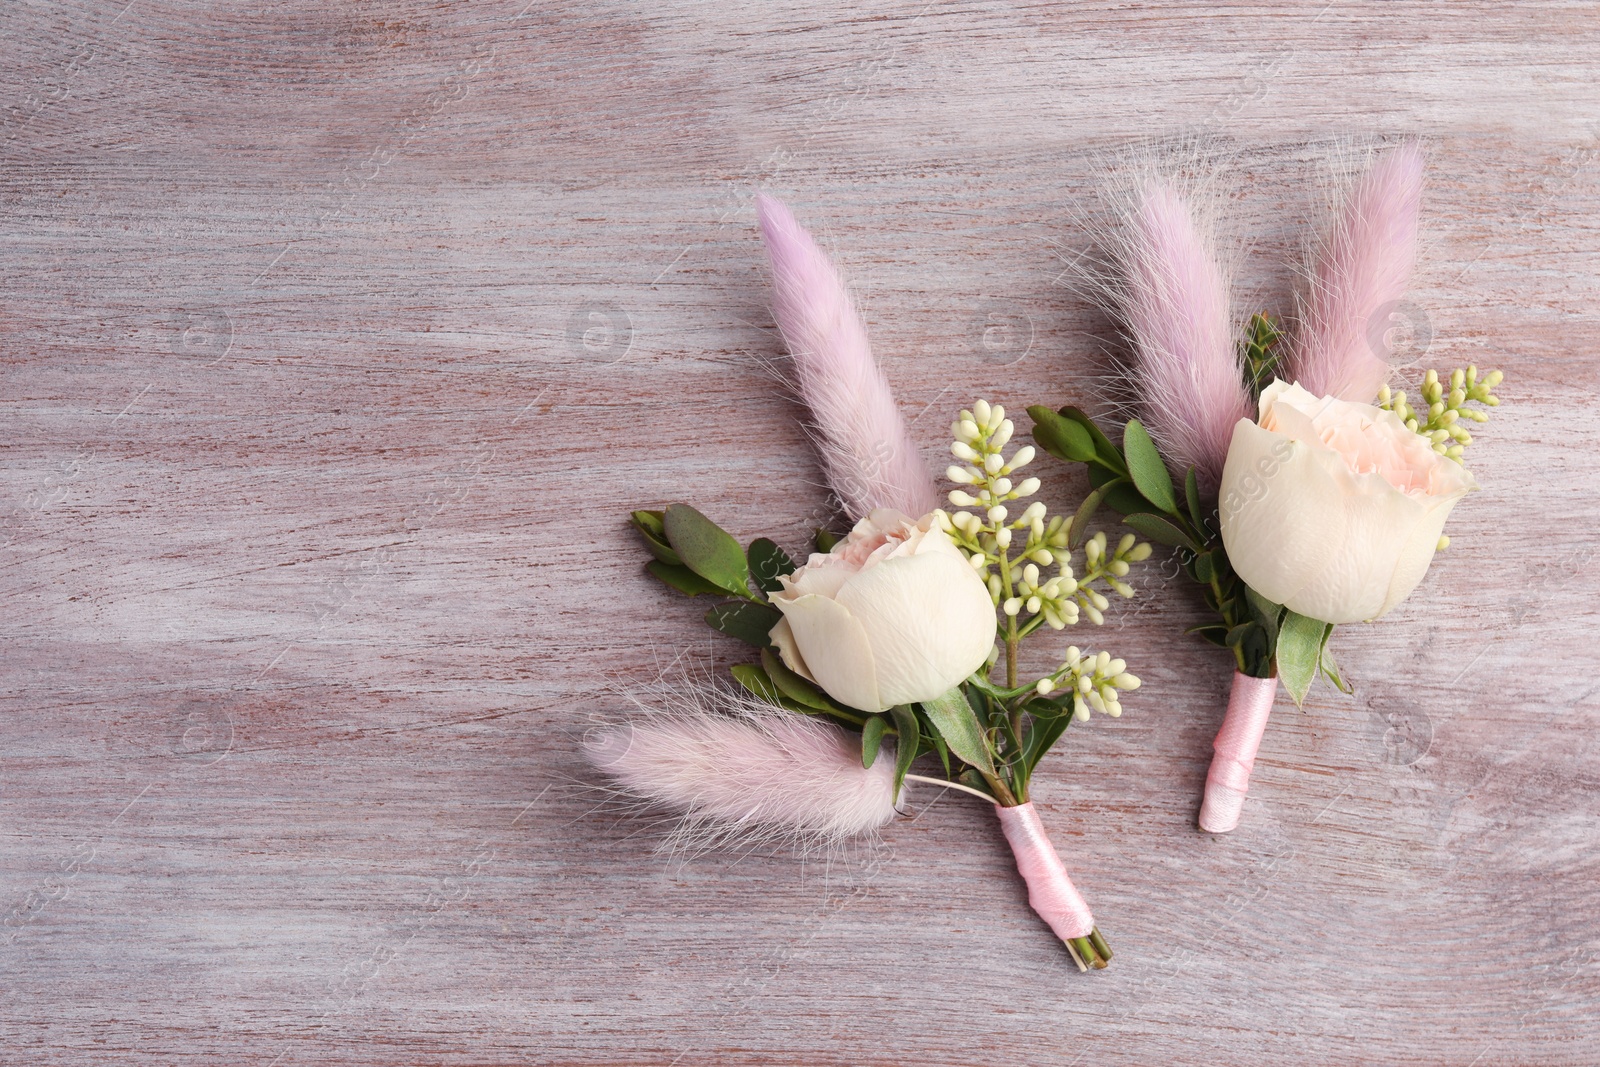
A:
[1277,523]
[782,638]
[837,651]
[929,619]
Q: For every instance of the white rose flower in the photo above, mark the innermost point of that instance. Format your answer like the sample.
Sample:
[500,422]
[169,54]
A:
[894,614]
[1332,508]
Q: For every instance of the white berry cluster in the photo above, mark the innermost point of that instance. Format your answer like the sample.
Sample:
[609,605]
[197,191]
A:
[989,534]
[1095,681]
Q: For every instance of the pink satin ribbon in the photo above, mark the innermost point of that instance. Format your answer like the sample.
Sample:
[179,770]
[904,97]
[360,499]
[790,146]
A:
[1229,779]
[1050,891]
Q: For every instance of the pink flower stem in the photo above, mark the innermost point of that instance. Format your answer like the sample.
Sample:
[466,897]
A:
[1249,705]
[1050,891]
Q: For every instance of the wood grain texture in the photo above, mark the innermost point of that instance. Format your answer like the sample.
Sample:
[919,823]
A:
[339,337]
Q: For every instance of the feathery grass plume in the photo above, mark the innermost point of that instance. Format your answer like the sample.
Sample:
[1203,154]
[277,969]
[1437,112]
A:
[1172,297]
[739,771]
[867,452]
[1357,273]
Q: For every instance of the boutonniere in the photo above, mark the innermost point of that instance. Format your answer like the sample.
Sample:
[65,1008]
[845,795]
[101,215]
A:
[889,655]
[1300,492]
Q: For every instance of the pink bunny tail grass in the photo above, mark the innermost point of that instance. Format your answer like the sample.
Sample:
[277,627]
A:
[757,775]
[1173,299]
[1249,705]
[867,453]
[1357,275]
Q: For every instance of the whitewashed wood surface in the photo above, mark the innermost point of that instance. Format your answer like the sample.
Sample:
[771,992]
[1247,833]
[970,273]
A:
[338,339]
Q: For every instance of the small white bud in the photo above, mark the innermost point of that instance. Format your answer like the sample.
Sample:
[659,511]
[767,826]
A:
[962,450]
[1123,589]
[959,475]
[1444,543]
[1074,655]
[1140,553]
[1079,711]
[1023,457]
[1033,605]
[1115,666]
[1084,684]
[1002,537]
[1030,575]
[1095,701]
[1012,606]
[978,561]
[1003,434]
[992,463]
[1119,567]
[1114,709]
[968,431]
[997,417]
[1126,543]
[1044,688]
[961,499]
[1126,681]
[997,513]
[1098,599]
[1002,486]
[1094,614]
[1042,556]
[1028,487]
[981,413]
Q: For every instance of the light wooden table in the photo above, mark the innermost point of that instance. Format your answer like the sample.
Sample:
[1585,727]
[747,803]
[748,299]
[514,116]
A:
[339,337]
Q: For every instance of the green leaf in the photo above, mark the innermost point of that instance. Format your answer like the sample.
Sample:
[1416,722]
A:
[682,579]
[1042,734]
[907,734]
[1258,350]
[1078,532]
[1299,652]
[1148,470]
[1109,455]
[1239,632]
[942,749]
[958,724]
[748,622]
[707,549]
[826,540]
[1202,568]
[1331,669]
[767,562]
[1158,529]
[1191,494]
[755,679]
[872,739]
[648,523]
[1060,436]
[1215,632]
[1120,496]
[1268,614]
[792,685]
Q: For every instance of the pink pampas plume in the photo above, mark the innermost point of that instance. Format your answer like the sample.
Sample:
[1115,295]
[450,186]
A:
[1357,273]
[737,769]
[1173,299]
[867,453]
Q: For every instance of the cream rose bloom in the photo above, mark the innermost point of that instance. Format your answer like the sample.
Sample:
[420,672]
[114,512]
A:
[1331,508]
[894,614]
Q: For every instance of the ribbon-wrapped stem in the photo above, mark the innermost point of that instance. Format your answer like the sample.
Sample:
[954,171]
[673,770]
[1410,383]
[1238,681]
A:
[1249,705]
[1050,891]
